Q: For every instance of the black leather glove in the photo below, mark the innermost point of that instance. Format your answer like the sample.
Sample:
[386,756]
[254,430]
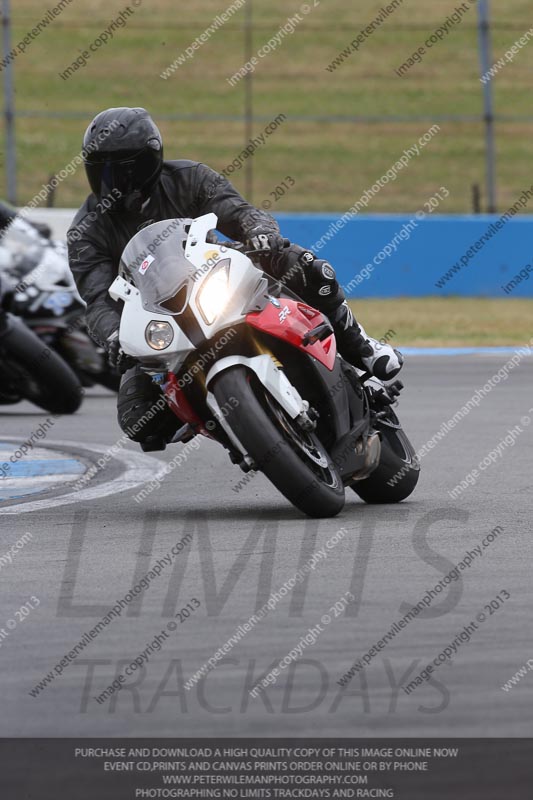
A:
[263,238]
[115,354]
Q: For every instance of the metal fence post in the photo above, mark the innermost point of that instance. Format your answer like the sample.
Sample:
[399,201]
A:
[9,107]
[485,59]
[248,99]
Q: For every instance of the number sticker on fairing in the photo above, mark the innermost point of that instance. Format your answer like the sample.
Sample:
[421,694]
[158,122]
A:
[145,264]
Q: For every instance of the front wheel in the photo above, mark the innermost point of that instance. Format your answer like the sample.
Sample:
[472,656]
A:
[294,460]
[397,473]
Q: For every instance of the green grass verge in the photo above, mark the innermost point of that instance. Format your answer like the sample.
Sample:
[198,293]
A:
[448,322]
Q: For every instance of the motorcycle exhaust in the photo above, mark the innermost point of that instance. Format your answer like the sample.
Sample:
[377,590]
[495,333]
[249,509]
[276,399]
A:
[372,452]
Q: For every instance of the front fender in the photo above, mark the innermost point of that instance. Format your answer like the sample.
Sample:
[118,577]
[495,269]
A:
[273,379]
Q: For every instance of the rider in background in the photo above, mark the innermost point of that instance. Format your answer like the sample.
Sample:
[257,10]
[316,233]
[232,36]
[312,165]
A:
[8,214]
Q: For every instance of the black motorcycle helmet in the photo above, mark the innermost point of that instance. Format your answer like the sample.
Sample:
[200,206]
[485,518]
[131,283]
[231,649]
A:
[123,156]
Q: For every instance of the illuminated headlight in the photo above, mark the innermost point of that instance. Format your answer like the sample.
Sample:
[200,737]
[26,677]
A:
[159,335]
[214,294]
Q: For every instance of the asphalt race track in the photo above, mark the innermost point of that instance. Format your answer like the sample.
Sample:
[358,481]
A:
[89,546]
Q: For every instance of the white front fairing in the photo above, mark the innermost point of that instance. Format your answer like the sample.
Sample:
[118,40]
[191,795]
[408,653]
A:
[53,269]
[133,324]
[170,274]
[164,269]
[45,261]
[243,277]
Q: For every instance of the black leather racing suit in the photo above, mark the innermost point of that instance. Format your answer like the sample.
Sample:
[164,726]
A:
[97,239]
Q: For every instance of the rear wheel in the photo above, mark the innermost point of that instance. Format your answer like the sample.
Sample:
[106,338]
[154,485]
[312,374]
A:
[397,473]
[37,373]
[293,459]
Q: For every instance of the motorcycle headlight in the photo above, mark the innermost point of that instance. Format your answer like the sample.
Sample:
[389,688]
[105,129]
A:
[159,335]
[214,293]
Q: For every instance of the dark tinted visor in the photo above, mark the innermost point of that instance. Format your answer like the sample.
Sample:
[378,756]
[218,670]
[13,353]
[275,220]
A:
[123,170]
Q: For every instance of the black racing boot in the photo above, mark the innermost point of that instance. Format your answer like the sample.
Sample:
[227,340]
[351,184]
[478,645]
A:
[361,350]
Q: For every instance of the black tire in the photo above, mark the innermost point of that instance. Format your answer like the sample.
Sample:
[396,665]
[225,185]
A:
[38,373]
[398,463]
[8,398]
[258,422]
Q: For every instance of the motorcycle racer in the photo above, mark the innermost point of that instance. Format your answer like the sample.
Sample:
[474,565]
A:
[8,214]
[133,186]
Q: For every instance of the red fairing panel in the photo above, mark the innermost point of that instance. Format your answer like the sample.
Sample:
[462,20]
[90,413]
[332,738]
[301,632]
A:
[290,322]
[180,405]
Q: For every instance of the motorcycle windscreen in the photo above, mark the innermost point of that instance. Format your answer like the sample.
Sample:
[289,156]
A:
[154,261]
